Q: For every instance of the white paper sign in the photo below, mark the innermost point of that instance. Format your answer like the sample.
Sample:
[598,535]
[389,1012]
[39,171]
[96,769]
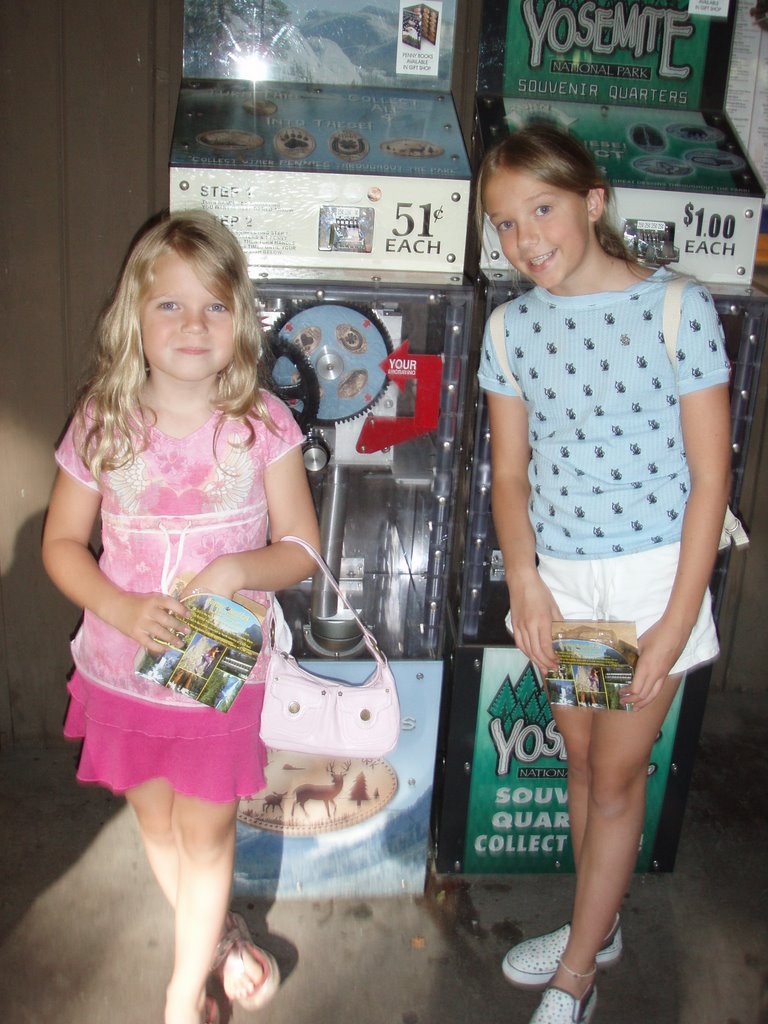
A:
[709,8]
[418,47]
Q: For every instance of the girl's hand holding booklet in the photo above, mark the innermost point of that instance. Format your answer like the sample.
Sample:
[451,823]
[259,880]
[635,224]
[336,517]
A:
[597,661]
[217,655]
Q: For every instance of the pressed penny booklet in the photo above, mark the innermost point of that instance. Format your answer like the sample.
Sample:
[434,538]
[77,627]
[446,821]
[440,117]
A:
[596,661]
[217,655]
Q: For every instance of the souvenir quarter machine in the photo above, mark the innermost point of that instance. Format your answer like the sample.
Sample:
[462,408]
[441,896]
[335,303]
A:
[642,85]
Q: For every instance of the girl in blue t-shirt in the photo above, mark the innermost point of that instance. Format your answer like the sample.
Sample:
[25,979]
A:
[610,482]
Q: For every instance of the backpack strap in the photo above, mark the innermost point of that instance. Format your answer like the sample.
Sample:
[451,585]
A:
[499,342]
[672,313]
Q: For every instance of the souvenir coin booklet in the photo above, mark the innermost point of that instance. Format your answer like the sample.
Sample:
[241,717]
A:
[597,660]
[216,656]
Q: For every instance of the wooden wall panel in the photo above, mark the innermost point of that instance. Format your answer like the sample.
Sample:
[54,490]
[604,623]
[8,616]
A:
[88,90]
[32,299]
[109,147]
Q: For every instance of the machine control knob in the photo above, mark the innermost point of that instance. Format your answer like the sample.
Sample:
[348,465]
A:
[316,452]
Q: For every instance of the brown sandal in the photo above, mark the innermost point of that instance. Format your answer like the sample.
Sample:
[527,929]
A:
[235,945]
[212,1015]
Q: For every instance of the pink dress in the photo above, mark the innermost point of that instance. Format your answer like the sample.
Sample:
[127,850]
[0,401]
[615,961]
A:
[168,514]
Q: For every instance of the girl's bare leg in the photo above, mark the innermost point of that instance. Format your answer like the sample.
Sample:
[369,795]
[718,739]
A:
[608,755]
[190,845]
[575,726]
[152,803]
[206,843]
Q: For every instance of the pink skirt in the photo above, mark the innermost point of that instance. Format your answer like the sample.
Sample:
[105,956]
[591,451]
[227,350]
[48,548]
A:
[201,753]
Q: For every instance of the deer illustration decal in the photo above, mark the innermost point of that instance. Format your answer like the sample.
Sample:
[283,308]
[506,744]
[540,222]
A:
[327,794]
[273,802]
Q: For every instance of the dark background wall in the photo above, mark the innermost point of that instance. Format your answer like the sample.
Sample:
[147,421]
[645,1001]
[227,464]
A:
[87,93]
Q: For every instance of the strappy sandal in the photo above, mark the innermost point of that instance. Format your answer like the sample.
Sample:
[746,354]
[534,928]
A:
[235,945]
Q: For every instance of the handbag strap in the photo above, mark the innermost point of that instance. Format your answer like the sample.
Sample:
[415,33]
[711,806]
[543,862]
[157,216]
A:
[368,637]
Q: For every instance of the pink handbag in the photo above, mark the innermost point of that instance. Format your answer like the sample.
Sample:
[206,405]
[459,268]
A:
[314,714]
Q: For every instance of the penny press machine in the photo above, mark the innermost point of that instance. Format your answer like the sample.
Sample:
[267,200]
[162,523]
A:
[642,86]
[328,142]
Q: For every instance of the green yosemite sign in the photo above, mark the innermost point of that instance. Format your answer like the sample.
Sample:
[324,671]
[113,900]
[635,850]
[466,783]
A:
[518,804]
[631,52]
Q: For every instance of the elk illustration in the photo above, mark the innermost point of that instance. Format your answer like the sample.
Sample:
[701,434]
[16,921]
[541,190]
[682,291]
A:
[327,793]
[273,802]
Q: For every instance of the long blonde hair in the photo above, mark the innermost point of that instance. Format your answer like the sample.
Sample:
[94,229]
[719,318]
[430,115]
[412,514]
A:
[109,420]
[556,159]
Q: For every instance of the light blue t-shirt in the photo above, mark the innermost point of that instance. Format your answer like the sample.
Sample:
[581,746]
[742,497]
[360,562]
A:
[608,472]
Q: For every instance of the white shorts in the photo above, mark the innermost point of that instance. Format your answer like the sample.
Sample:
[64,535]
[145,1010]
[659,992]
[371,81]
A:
[629,588]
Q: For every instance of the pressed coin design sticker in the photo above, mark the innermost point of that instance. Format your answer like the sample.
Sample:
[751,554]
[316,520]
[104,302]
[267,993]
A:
[716,160]
[259,107]
[294,143]
[305,795]
[412,148]
[647,137]
[695,133]
[663,166]
[349,146]
[230,140]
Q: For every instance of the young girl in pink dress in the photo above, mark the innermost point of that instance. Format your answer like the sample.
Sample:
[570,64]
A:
[187,460]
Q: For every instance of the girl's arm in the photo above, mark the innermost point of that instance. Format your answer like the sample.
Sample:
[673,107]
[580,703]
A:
[531,604]
[706,423]
[72,567]
[279,564]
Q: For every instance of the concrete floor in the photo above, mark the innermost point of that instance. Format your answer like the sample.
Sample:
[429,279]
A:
[85,936]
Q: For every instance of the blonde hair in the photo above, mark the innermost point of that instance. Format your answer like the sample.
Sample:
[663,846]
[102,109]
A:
[110,425]
[556,159]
